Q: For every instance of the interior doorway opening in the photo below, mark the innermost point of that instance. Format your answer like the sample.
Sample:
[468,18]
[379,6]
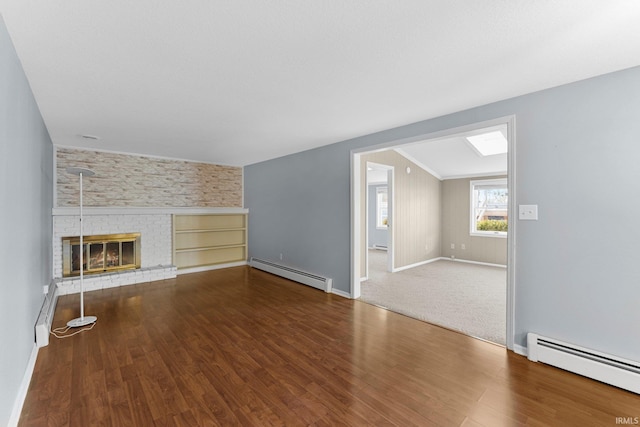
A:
[429,246]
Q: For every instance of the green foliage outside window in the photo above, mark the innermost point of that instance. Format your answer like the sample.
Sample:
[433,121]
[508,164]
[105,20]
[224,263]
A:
[492,225]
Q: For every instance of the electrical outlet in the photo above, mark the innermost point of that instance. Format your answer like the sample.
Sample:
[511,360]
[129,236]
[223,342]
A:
[453,246]
[528,212]
[463,247]
[280,257]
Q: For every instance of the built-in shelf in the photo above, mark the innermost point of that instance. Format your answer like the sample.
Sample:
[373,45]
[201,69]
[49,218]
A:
[209,239]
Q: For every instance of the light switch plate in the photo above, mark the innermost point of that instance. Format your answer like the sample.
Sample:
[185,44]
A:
[528,212]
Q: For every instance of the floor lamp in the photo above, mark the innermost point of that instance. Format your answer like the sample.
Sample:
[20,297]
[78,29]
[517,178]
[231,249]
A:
[82,320]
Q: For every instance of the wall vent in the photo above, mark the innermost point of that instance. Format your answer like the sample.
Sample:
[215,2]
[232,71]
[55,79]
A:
[590,363]
[319,282]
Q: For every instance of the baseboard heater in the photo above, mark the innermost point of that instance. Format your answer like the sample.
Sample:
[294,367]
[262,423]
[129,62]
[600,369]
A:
[319,282]
[43,324]
[589,363]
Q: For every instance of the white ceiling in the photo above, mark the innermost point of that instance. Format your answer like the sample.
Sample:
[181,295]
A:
[453,157]
[237,82]
[447,158]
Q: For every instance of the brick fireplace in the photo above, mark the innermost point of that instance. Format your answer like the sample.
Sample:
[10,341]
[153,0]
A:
[154,249]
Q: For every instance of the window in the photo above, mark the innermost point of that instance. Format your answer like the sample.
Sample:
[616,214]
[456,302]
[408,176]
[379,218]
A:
[489,202]
[382,213]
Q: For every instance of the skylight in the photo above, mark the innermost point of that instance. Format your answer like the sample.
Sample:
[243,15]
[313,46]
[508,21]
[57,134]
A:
[488,144]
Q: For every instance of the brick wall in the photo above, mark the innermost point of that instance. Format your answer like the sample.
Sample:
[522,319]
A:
[137,181]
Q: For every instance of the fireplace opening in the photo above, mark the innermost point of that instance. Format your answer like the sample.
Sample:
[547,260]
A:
[101,253]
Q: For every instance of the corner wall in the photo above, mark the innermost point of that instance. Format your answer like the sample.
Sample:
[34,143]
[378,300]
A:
[26,191]
[456,210]
[576,158]
[417,196]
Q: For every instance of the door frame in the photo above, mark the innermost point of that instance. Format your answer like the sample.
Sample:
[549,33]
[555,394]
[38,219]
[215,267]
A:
[390,206]
[356,206]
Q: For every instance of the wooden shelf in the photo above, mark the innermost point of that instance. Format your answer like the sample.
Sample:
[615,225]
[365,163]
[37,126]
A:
[208,248]
[209,239]
[207,230]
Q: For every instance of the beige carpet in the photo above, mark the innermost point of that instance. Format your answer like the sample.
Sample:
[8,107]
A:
[465,297]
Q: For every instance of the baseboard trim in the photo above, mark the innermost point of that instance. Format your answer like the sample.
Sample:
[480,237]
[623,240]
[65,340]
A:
[24,388]
[210,267]
[488,264]
[417,264]
[341,293]
[520,349]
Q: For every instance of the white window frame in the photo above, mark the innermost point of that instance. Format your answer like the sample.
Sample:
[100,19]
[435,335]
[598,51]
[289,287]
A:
[472,210]
[379,191]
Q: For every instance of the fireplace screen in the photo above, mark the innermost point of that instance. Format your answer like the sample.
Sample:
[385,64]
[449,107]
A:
[101,253]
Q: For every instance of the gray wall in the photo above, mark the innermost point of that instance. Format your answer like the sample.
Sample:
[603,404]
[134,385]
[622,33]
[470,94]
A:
[577,269]
[376,236]
[26,191]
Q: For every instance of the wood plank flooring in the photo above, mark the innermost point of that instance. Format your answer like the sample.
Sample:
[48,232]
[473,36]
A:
[242,347]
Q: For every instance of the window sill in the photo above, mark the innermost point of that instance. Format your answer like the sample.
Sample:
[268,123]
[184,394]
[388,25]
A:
[497,234]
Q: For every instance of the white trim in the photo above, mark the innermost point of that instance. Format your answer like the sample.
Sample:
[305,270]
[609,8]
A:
[210,267]
[364,279]
[341,293]
[355,224]
[24,388]
[146,211]
[417,264]
[494,234]
[521,350]
[355,154]
[475,175]
[488,264]
[512,235]
[417,163]
[472,207]
[391,219]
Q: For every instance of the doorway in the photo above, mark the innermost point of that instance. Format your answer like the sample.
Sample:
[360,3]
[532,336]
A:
[379,213]
[431,250]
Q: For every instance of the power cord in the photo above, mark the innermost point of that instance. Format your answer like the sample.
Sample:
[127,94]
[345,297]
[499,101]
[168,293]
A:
[63,331]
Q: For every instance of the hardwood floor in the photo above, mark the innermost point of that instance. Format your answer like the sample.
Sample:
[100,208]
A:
[242,347]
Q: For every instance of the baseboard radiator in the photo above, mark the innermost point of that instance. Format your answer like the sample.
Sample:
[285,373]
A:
[43,324]
[323,283]
[590,363]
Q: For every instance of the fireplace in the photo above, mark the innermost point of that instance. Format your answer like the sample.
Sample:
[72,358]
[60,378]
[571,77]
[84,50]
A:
[101,253]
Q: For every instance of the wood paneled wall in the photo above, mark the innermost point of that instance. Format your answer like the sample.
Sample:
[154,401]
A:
[417,197]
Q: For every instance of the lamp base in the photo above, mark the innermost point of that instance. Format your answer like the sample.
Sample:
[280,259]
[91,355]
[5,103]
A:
[81,321]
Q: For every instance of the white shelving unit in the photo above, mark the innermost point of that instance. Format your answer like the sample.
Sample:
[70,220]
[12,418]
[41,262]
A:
[203,240]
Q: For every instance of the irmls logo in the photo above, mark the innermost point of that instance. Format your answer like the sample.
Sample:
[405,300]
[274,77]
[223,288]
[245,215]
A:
[628,420]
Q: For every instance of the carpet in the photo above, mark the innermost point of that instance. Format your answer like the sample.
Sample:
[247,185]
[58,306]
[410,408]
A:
[464,297]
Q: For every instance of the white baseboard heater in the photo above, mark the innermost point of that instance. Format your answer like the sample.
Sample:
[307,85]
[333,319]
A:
[603,367]
[43,324]
[319,282]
